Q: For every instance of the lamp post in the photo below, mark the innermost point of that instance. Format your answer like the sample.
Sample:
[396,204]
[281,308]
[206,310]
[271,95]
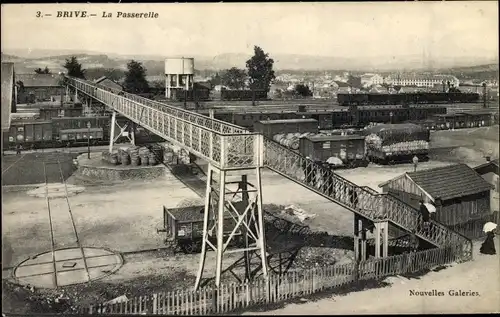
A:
[88,140]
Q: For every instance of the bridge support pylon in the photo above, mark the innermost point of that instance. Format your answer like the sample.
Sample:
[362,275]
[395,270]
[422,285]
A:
[127,130]
[381,233]
[360,241]
[232,226]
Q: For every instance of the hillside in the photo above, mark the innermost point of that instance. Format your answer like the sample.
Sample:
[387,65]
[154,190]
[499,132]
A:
[27,61]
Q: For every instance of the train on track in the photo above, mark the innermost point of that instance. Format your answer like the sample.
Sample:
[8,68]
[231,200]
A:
[66,132]
[346,99]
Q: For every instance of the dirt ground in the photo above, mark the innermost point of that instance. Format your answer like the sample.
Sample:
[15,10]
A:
[124,216]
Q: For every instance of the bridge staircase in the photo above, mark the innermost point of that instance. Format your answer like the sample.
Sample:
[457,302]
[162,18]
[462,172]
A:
[230,147]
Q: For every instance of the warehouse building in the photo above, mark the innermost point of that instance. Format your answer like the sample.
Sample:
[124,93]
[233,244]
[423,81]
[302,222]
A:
[461,196]
[38,87]
[8,94]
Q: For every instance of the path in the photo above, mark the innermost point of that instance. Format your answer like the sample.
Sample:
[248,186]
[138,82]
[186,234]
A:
[481,275]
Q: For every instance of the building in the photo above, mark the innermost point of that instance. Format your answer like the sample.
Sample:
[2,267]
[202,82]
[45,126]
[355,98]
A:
[489,172]
[421,80]
[38,87]
[460,194]
[109,83]
[368,80]
[8,94]
[180,75]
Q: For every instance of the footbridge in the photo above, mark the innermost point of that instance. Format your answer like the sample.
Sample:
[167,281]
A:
[227,148]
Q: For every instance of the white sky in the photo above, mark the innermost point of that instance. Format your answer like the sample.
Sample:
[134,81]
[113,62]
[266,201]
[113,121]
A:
[443,29]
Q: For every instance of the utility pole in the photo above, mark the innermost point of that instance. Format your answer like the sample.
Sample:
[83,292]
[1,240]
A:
[88,140]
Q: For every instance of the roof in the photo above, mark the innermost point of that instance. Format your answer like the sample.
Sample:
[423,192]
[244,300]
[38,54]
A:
[326,138]
[39,80]
[450,182]
[284,121]
[83,130]
[7,92]
[492,163]
[109,83]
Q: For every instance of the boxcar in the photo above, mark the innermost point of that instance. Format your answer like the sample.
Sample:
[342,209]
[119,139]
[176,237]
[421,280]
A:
[269,128]
[349,148]
[29,133]
[184,227]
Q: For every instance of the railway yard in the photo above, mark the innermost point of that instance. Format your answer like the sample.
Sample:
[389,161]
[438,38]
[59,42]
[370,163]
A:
[123,217]
[82,226]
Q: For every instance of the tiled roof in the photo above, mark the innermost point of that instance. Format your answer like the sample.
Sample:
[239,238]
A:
[38,80]
[449,182]
[7,87]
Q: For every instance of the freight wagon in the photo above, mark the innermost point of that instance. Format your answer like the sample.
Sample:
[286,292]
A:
[270,128]
[226,94]
[390,143]
[81,136]
[349,149]
[184,227]
[191,95]
[346,99]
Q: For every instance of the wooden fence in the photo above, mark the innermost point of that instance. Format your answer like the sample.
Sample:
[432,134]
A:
[276,288]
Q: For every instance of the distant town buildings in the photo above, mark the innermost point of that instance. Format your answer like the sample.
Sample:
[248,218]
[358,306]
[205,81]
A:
[421,80]
[369,79]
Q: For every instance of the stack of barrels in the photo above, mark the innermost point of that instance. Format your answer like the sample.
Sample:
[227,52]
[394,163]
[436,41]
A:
[144,155]
[111,158]
[134,156]
[123,156]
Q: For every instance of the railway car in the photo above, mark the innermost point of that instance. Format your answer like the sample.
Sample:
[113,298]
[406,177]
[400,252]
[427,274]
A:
[270,128]
[75,137]
[226,94]
[346,99]
[28,133]
[350,149]
[184,227]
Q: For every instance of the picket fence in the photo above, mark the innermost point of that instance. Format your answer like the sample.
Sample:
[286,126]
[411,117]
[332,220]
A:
[277,288]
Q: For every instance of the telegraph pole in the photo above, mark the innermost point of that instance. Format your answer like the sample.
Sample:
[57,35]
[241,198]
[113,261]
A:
[88,140]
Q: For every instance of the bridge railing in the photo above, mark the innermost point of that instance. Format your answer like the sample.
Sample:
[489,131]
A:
[198,134]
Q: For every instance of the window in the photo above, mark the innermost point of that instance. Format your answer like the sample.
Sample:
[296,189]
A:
[326,145]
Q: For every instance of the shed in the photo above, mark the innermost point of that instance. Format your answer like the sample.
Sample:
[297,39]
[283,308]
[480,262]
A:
[8,94]
[458,192]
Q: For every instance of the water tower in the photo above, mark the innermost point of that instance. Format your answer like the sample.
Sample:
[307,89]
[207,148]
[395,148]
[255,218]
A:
[179,73]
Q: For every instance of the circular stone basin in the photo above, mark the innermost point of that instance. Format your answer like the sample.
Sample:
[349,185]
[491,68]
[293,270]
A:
[56,190]
[38,270]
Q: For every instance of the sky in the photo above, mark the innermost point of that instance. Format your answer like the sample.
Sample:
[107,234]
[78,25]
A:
[356,30]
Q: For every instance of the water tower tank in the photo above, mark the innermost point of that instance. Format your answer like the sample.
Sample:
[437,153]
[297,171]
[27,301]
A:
[179,66]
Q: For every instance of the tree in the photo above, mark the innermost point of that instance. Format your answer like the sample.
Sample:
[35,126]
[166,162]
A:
[303,90]
[234,78]
[260,70]
[46,70]
[215,80]
[74,68]
[135,78]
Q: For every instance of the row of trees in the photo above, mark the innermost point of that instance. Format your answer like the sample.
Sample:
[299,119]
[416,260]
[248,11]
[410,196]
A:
[258,76]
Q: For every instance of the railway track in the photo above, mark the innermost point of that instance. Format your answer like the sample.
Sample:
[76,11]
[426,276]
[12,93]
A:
[53,241]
